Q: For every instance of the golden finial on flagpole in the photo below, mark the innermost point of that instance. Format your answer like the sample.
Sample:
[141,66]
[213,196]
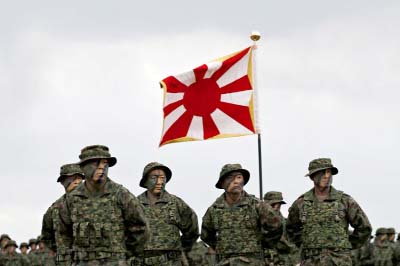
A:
[255,36]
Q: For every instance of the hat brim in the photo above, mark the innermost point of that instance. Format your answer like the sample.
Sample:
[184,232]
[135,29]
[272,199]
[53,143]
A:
[61,177]
[11,245]
[111,160]
[335,171]
[275,201]
[168,174]
[245,173]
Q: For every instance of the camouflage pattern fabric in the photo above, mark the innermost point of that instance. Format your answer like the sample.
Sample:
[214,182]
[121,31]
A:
[173,225]
[33,258]
[15,259]
[383,254]
[105,229]
[54,237]
[237,233]
[198,255]
[366,254]
[321,228]
[46,257]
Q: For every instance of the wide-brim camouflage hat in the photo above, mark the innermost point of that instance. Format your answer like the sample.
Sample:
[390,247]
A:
[390,231]
[5,236]
[381,231]
[23,244]
[153,166]
[272,197]
[32,241]
[11,243]
[96,152]
[229,168]
[70,170]
[321,164]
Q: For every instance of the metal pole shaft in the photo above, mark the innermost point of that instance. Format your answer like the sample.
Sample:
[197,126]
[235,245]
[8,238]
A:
[260,166]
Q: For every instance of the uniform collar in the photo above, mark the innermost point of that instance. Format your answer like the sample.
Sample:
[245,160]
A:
[83,191]
[333,195]
[165,198]
[221,202]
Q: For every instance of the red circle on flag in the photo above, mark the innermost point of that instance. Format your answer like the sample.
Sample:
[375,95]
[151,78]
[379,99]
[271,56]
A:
[202,97]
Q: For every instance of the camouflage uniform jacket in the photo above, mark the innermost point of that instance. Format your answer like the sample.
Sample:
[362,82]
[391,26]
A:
[383,254]
[109,226]
[173,224]
[15,259]
[245,227]
[45,257]
[52,234]
[315,225]
[34,258]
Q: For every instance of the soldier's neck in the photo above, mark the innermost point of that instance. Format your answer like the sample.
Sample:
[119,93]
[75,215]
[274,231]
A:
[232,198]
[153,197]
[321,193]
[95,189]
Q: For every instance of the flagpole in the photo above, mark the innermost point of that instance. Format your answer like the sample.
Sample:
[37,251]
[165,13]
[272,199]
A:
[255,36]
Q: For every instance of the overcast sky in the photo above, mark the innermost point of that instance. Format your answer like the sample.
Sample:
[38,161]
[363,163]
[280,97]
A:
[76,73]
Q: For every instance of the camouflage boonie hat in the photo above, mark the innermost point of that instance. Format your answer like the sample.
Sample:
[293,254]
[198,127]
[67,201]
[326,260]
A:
[69,170]
[229,168]
[381,231]
[153,166]
[272,197]
[4,236]
[32,241]
[11,243]
[321,164]
[23,244]
[390,231]
[96,152]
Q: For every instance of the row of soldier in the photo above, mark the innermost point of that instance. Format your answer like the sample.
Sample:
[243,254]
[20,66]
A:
[99,222]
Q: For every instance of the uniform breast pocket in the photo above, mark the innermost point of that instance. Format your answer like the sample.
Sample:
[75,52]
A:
[81,234]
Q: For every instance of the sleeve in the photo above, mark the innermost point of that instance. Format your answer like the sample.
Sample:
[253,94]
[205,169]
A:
[48,235]
[294,226]
[136,227]
[189,225]
[271,225]
[359,221]
[208,230]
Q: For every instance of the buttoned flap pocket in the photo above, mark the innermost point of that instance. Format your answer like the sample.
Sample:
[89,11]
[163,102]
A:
[172,212]
[81,234]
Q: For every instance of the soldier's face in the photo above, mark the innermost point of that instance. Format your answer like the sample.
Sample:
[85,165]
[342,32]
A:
[24,250]
[73,181]
[276,206]
[323,179]
[41,245]
[391,237]
[4,242]
[33,246]
[156,181]
[96,170]
[11,249]
[234,183]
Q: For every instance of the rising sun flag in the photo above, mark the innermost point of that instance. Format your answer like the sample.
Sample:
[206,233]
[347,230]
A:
[214,100]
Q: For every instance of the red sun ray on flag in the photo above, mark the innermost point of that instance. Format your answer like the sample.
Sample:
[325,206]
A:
[214,100]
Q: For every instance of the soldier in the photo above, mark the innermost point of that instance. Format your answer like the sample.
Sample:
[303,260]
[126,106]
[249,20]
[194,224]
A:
[366,256]
[11,257]
[45,255]
[3,242]
[198,255]
[32,255]
[284,252]
[58,241]
[173,224]
[237,225]
[318,220]
[382,252]
[106,221]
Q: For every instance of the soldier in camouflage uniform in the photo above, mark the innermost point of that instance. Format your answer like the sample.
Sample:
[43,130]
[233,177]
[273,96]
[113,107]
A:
[383,253]
[11,257]
[366,254]
[198,255]
[106,221]
[24,247]
[237,225]
[32,255]
[3,242]
[45,255]
[318,220]
[54,237]
[173,224]
[282,253]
